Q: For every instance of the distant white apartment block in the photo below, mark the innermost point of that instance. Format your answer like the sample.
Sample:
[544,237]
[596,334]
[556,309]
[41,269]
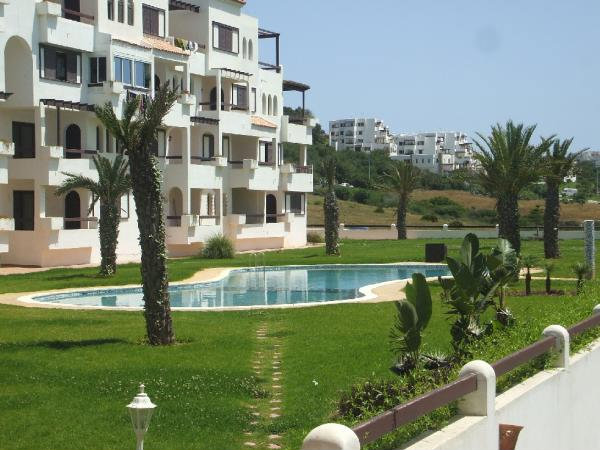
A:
[220,151]
[361,135]
[439,152]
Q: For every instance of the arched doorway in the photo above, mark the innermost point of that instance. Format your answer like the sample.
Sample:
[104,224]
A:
[175,207]
[271,209]
[72,211]
[73,141]
[213,99]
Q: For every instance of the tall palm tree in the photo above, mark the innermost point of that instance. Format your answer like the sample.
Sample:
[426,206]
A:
[331,209]
[135,134]
[509,163]
[402,181]
[559,163]
[113,182]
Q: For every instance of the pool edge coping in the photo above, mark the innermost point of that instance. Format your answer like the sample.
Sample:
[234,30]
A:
[368,292]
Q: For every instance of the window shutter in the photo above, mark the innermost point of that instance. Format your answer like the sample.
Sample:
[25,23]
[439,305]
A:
[49,63]
[72,67]
[101,69]
[225,39]
[242,96]
[93,70]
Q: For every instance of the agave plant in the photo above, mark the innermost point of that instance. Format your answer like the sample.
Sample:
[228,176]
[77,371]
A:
[528,262]
[412,318]
[582,270]
[504,267]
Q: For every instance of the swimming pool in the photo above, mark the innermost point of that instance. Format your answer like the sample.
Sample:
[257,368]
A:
[270,286]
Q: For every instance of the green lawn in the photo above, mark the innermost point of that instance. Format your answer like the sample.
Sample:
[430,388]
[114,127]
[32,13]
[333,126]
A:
[353,251]
[67,375]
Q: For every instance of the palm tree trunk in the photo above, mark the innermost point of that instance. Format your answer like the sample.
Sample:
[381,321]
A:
[332,224]
[401,218]
[146,182]
[551,220]
[109,236]
[508,219]
[528,283]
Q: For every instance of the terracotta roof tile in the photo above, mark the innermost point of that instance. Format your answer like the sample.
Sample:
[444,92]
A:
[160,44]
[260,122]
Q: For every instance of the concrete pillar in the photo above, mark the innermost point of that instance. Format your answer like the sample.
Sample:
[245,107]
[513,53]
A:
[274,153]
[304,155]
[590,245]
[561,346]
[219,88]
[40,126]
[258,149]
[331,437]
[186,146]
[481,402]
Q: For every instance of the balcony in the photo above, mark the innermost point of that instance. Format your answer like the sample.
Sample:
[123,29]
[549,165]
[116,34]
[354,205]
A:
[255,226]
[252,175]
[296,178]
[65,28]
[70,233]
[6,224]
[298,130]
[190,229]
[7,148]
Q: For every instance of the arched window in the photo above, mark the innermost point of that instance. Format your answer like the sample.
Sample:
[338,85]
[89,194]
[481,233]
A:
[208,146]
[250,50]
[264,104]
[275,106]
[73,141]
[244,48]
[130,12]
[270,110]
[72,211]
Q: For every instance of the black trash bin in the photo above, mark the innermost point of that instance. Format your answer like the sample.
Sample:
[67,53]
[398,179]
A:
[435,253]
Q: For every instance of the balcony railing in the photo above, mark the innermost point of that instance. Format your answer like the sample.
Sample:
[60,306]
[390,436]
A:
[70,14]
[79,223]
[174,221]
[304,169]
[78,153]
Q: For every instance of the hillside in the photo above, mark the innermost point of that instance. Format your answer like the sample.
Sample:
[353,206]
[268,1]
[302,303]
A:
[356,213]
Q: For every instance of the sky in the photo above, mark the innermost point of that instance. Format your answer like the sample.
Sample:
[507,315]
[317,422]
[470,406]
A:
[452,65]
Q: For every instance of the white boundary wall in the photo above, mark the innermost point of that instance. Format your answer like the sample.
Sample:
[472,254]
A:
[557,408]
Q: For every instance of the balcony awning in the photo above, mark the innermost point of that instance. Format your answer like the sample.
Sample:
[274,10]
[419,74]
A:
[266,34]
[295,86]
[68,105]
[234,74]
[175,5]
[205,120]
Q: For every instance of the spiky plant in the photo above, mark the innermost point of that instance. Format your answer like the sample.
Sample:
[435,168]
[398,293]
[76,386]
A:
[135,133]
[582,271]
[113,182]
[331,209]
[558,164]
[528,262]
[509,163]
[402,181]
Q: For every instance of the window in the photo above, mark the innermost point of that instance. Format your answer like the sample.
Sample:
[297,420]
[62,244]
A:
[97,70]
[130,12]
[111,9]
[159,145]
[142,74]
[208,146]
[98,139]
[154,21]
[253,100]
[23,135]
[239,96]
[60,65]
[23,210]
[226,38]
[265,151]
[250,50]
[121,11]
[123,70]
[295,202]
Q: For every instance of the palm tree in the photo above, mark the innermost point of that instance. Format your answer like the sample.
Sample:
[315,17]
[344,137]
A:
[559,163]
[402,181]
[581,271]
[135,134]
[331,210]
[509,162]
[113,182]
[528,262]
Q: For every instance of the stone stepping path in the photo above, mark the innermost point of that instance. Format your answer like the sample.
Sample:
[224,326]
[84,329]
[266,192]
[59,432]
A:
[266,364]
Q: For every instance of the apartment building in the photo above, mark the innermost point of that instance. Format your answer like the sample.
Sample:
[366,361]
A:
[361,135]
[439,152]
[220,150]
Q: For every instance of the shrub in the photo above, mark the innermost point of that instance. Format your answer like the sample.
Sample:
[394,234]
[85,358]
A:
[456,224]
[379,210]
[219,247]
[342,192]
[430,218]
[314,238]
[360,196]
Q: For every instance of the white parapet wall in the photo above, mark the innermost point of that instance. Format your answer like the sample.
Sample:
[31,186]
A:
[556,408]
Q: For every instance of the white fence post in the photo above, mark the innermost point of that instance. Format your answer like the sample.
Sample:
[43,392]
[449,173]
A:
[597,309]
[561,346]
[482,402]
[331,437]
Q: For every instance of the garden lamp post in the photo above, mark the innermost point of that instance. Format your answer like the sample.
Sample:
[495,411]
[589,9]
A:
[141,409]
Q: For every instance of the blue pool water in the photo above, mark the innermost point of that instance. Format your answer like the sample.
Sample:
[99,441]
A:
[259,287]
